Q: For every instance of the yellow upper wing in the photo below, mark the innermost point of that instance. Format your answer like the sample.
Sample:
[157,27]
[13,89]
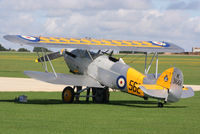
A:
[90,43]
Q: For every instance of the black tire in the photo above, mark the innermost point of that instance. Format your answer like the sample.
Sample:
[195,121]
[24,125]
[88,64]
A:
[106,95]
[93,94]
[68,95]
[100,95]
[160,104]
[145,98]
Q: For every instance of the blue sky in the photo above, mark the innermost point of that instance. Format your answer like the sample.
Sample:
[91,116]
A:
[176,21]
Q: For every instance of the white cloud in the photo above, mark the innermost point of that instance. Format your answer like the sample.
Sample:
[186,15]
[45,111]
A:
[119,19]
[30,5]
[185,5]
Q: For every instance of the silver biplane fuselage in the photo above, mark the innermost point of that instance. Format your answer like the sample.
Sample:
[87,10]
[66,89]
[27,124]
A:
[113,73]
[98,66]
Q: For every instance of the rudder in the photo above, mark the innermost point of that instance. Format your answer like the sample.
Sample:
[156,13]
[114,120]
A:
[172,79]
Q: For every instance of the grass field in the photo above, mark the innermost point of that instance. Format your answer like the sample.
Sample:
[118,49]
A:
[125,114]
[13,64]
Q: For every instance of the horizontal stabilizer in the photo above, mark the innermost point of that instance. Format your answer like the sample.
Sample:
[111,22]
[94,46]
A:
[156,92]
[187,92]
[64,79]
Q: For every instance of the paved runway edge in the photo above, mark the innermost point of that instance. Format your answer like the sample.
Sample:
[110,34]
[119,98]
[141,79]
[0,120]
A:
[9,84]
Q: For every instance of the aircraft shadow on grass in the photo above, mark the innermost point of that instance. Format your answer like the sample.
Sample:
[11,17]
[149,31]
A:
[141,104]
[126,103]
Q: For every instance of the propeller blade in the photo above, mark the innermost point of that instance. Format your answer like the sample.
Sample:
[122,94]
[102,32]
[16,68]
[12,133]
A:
[51,56]
[107,53]
[111,53]
[70,54]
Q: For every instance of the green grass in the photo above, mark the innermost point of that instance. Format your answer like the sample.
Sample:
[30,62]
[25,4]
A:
[13,64]
[45,113]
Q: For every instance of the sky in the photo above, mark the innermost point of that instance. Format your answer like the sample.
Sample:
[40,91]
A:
[176,21]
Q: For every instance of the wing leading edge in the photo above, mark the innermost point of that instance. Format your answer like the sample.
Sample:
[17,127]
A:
[97,44]
[64,79]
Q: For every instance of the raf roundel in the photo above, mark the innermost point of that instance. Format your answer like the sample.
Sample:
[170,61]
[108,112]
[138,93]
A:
[29,38]
[158,43]
[121,82]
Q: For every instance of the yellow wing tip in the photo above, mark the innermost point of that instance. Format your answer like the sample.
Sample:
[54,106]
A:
[36,60]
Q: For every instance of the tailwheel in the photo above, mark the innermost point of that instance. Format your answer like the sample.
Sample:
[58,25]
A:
[68,95]
[160,104]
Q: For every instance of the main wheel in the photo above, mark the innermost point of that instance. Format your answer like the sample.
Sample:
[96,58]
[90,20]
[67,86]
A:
[100,95]
[106,95]
[68,95]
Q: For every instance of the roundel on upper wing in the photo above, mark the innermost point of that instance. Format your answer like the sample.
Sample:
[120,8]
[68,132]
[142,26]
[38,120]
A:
[158,43]
[29,38]
[121,82]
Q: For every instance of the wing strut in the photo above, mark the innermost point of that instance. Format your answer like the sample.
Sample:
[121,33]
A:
[90,55]
[43,66]
[52,66]
[156,65]
[44,62]
[145,64]
[146,70]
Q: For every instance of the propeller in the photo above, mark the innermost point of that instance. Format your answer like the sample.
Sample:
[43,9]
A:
[48,57]
[107,53]
[55,55]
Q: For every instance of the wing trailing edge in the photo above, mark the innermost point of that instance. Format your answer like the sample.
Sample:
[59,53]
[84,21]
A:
[187,92]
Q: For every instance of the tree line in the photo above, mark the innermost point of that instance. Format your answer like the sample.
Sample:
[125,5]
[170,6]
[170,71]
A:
[36,49]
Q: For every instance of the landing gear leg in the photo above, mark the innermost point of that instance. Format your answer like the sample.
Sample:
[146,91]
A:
[78,88]
[88,95]
[106,95]
[160,104]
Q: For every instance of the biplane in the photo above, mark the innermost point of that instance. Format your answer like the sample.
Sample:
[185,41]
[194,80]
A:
[99,71]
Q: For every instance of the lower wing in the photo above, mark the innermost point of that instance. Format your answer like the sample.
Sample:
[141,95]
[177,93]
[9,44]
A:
[64,79]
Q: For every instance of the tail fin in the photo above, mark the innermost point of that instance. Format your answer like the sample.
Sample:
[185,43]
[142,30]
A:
[172,79]
[169,86]
[165,78]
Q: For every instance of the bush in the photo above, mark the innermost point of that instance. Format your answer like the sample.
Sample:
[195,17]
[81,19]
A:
[3,48]
[23,50]
[39,49]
